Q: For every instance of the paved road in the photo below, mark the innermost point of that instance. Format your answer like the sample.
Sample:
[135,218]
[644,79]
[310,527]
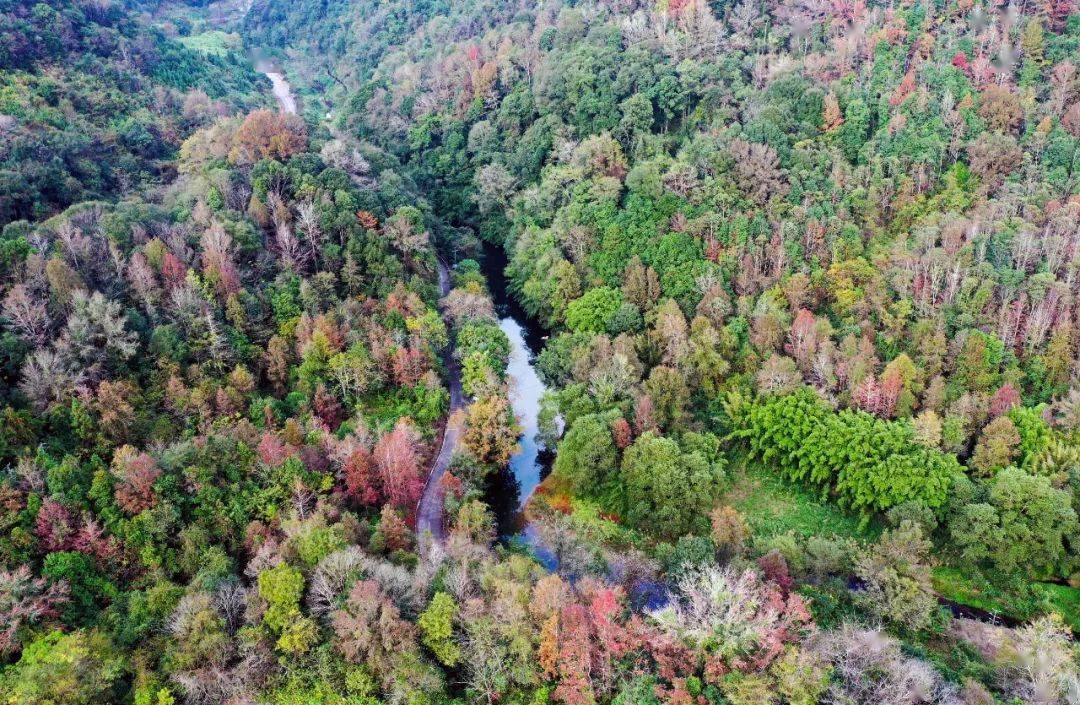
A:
[429,513]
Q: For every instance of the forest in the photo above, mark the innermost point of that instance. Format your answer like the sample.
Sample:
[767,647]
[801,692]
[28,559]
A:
[799,280]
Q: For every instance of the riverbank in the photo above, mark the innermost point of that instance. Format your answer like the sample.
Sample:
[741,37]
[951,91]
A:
[509,492]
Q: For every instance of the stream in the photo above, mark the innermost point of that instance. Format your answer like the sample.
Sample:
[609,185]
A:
[281,88]
[509,490]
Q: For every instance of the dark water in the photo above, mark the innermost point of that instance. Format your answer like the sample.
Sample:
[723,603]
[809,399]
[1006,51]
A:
[510,489]
[980,615]
[493,263]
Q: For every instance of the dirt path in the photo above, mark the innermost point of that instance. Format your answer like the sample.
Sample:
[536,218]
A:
[429,512]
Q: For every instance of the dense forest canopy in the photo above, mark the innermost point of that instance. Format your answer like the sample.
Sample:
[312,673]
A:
[93,104]
[808,273]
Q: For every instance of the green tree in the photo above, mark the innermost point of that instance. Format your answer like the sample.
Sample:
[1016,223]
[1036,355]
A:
[282,587]
[869,463]
[1022,524]
[593,310]
[80,668]
[896,571]
[853,132]
[89,589]
[586,456]
[437,629]
[637,118]
[665,490]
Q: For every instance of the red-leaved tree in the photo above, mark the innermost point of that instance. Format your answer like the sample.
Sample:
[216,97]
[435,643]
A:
[398,460]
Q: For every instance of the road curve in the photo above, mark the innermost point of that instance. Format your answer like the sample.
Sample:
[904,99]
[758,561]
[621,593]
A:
[429,512]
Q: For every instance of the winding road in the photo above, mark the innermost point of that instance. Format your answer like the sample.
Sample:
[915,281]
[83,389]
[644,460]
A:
[429,512]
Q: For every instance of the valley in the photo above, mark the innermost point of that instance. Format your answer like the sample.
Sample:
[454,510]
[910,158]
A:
[583,352]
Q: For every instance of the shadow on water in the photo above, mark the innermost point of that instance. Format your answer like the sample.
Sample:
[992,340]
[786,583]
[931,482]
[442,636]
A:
[509,490]
[502,492]
[547,459]
[493,265]
[503,495]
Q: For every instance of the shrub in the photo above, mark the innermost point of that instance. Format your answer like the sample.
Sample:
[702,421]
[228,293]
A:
[897,577]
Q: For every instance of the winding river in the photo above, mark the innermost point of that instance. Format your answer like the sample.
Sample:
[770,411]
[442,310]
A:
[509,491]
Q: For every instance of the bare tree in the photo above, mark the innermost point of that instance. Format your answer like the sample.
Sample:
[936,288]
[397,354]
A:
[26,314]
[757,170]
[47,379]
[871,669]
[96,336]
[307,217]
[1038,664]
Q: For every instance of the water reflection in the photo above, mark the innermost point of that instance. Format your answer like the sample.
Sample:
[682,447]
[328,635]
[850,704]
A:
[509,490]
[525,392]
[503,495]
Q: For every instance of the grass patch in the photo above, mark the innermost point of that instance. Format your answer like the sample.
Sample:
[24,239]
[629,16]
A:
[969,588]
[1022,601]
[215,42]
[1064,599]
[774,506]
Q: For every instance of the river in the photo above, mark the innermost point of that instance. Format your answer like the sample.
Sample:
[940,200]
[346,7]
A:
[509,491]
[281,88]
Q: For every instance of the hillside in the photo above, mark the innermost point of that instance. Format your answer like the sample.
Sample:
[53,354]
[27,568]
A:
[774,304]
[96,103]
